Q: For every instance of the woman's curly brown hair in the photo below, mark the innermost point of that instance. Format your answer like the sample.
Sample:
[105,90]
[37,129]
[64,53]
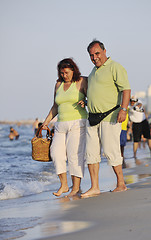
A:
[68,63]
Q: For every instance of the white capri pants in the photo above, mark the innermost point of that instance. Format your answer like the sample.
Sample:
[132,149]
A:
[106,135]
[69,144]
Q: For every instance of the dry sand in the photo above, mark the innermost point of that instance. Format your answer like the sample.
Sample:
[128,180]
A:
[110,216]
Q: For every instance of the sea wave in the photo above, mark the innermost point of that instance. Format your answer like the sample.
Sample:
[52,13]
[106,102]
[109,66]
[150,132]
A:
[21,189]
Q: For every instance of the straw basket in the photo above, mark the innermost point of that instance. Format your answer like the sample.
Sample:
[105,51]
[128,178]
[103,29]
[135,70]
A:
[41,146]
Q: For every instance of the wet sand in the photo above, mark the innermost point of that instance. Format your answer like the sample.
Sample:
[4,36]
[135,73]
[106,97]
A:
[109,216]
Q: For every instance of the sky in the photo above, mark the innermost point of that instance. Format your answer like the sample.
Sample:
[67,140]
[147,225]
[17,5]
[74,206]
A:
[36,34]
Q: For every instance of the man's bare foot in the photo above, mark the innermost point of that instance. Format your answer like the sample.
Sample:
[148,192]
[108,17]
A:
[91,193]
[120,189]
[60,191]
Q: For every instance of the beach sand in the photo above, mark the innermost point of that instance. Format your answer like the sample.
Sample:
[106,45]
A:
[109,216]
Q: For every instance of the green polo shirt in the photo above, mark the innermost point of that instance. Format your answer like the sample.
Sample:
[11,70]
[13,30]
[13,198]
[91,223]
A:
[105,86]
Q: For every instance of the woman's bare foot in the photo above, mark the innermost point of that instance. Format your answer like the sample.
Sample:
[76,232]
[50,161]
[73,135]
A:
[120,189]
[61,190]
[91,193]
[74,193]
[137,161]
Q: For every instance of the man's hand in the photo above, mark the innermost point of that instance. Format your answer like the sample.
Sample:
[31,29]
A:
[121,116]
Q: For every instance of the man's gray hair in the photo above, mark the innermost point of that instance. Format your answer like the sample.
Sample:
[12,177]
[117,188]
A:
[93,43]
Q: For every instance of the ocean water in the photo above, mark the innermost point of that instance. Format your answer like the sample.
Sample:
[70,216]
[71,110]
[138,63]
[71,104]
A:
[22,181]
[21,176]
[26,186]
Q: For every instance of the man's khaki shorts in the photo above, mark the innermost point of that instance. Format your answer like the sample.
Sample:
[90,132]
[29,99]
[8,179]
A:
[105,136]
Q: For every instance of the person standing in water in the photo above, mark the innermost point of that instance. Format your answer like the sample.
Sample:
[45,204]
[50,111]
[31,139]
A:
[13,134]
[108,88]
[69,135]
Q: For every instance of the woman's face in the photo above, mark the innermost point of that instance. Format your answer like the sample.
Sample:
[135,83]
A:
[66,74]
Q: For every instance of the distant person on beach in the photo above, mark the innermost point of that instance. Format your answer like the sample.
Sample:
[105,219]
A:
[123,138]
[69,136]
[13,134]
[108,87]
[129,132]
[36,130]
[35,125]
[140,125]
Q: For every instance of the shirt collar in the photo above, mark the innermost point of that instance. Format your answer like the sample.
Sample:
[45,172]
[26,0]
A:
[106,63]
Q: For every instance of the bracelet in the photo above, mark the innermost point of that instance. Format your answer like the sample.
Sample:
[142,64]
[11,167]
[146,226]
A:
[124,109]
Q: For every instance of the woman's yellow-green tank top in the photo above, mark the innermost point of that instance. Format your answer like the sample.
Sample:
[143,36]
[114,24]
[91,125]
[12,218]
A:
[67,101]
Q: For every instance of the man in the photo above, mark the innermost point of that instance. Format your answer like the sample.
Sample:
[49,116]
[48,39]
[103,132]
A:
[108,86]
[13,134]
[140,125]
[35,125]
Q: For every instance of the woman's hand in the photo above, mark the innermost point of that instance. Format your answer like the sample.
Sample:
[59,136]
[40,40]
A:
[82,103]
[44,126]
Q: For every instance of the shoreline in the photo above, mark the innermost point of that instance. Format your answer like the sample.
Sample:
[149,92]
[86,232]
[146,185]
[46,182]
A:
[110,216]
[17,122]
[43,216]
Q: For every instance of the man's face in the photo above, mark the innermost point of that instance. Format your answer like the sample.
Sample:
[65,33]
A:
[98,55]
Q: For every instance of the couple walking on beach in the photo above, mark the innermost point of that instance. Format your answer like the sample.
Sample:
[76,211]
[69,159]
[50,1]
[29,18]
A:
[108,93]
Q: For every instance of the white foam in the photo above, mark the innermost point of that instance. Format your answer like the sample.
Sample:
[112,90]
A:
[20,189]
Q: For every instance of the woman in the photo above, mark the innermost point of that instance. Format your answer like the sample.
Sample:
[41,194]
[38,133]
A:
[69,139]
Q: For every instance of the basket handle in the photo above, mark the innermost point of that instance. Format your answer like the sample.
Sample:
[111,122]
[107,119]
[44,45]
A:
[39,131]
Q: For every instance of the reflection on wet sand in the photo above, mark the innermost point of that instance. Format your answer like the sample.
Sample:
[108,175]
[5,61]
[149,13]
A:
[58,228]
[129,179]
[133,162]
[68,198]
[55,228]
